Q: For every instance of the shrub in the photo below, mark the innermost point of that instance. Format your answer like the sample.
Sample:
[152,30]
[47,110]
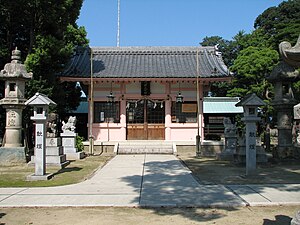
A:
[79,143]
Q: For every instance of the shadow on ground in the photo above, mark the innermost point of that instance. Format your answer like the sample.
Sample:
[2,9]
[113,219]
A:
[166,183]
[1,215]
[67,170]
[279,220]
[212,171]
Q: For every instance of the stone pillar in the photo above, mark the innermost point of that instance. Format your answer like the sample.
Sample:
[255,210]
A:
[40,147]
[250,145]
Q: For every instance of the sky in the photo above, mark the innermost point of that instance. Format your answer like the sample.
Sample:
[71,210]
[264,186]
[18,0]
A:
[168,22]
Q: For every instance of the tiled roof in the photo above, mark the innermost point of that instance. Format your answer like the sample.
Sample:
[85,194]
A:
[147,62]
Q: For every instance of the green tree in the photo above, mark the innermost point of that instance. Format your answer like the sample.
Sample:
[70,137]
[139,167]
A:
[251,67]
[281,23]
[46,32]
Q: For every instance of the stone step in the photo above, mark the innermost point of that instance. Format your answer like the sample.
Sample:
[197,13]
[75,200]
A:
[143,148]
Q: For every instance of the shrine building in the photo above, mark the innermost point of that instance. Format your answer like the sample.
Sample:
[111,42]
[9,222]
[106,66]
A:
[151,93]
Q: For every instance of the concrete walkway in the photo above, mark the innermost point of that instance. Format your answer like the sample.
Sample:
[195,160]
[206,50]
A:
[150,181]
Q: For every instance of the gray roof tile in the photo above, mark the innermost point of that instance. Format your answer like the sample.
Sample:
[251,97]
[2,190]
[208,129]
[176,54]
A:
[146,62]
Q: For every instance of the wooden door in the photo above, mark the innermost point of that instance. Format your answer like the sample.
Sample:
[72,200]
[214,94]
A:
[145,120]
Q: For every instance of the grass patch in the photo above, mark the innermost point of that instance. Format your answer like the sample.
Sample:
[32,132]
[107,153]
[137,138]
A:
[76,171]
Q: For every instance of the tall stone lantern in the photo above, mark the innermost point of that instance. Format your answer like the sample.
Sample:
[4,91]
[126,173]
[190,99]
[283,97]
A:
[250,104]
[40,105]
[15,76]
[282,76]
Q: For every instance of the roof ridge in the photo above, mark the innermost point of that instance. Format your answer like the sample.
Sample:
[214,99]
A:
[154,49]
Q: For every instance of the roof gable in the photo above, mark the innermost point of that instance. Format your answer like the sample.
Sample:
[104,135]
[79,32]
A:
[39,99]
[251,100]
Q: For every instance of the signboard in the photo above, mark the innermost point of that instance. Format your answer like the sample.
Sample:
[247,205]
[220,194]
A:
[189,108]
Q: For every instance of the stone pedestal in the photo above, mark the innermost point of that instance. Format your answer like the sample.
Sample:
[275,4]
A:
[69,146]
[54,153]
[12,155]
[229,149]
[240,155]
[285,146]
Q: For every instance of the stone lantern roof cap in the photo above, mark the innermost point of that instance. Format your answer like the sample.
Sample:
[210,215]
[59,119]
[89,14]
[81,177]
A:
[251,100]
[15,69]
[39,99]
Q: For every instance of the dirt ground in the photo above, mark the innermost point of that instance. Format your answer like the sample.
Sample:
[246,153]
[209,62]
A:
[206,170]
[279,215]
[212,171]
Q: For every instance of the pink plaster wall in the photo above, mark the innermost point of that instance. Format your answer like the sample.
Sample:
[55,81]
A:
[173,131]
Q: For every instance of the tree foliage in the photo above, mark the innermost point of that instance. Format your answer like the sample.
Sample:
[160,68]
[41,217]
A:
[251,67]
[46,32]
[252,56]
[280,23]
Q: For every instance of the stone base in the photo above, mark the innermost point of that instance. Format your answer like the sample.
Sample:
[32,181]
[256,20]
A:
[297,152]
[240,156]
[34,177]
[75,155]
[12,155]
[53,161]
[54,150]
[285,152]
[225,156]
[69,150]
[54,154]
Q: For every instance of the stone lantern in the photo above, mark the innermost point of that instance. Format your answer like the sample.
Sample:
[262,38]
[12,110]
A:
[40,105]
[15,76]
[282,76]
[250,104]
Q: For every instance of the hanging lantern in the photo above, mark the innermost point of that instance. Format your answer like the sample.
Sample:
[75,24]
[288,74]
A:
[110,97]
[179,98]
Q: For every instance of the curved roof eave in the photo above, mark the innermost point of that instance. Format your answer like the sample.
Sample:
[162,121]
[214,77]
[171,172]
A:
[147,62]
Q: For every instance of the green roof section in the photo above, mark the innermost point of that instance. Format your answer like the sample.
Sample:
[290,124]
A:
[221,105]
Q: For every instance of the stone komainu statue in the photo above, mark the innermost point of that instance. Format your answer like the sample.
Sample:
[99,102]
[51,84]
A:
[70,125]
[52,125]
[229,127]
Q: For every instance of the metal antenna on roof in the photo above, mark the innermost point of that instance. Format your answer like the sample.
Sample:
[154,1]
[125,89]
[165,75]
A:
[118,32]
